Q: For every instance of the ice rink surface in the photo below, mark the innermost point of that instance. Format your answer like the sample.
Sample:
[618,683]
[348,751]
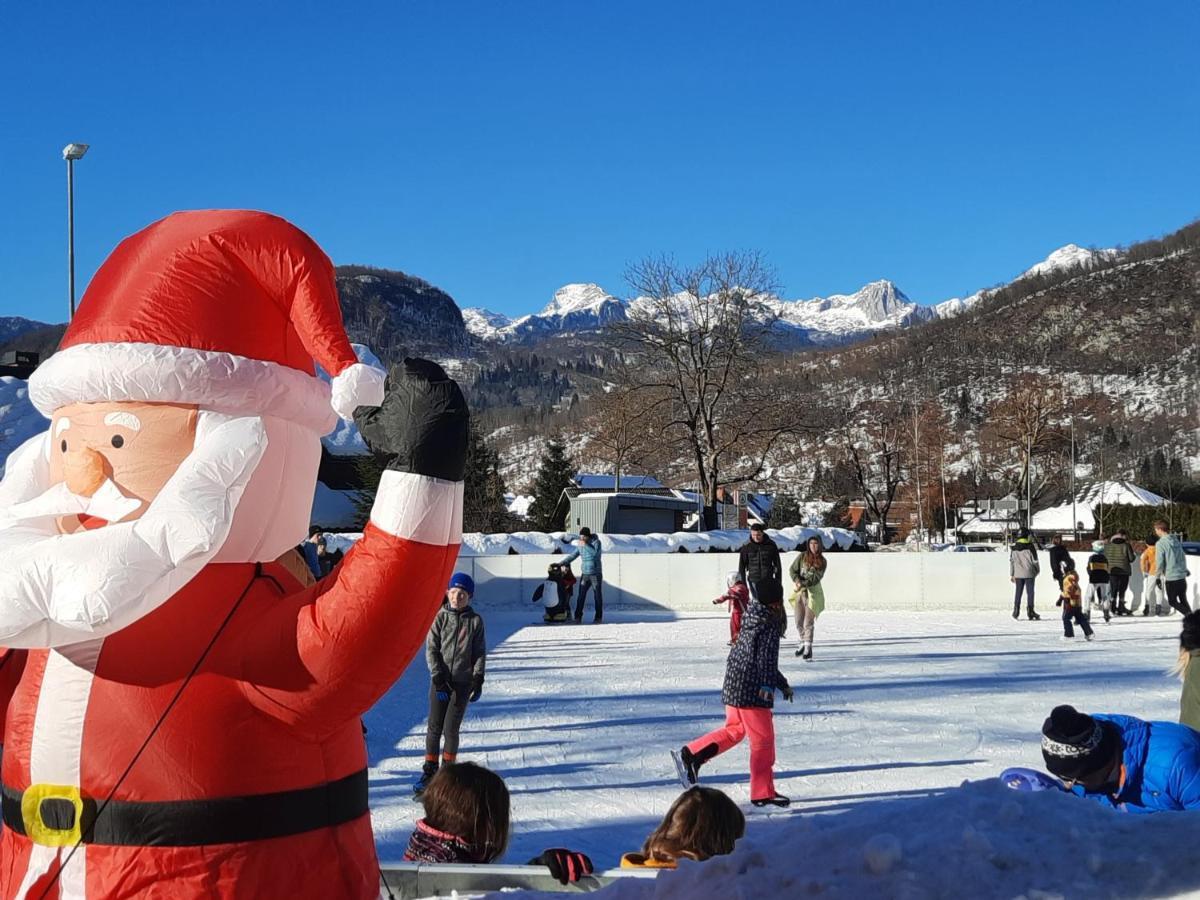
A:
[580,719]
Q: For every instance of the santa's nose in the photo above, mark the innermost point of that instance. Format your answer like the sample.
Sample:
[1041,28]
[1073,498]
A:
[83,471]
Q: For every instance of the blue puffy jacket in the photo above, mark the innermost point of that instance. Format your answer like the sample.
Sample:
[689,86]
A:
[1162,766]
[589,556]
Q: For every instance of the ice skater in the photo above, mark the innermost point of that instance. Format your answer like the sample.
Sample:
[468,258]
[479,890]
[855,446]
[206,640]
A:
[456,651]
[737,596]
[1153,603]
[1097,590]
[1023,569]
[752,677]
[1071,601]
[807,570]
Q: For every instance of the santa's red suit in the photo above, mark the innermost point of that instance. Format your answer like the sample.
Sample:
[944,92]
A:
[213,748]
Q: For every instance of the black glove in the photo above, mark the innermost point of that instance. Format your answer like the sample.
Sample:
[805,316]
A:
[422,424]
[1058,602]
[787,692]
[565,865]
[476,689]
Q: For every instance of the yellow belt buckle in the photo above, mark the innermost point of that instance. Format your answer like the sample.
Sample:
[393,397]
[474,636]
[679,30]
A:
[31,813]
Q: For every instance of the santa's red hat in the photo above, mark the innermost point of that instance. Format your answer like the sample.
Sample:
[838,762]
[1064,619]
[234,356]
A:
[225,309]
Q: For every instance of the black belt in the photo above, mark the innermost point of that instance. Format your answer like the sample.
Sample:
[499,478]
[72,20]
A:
[61,816]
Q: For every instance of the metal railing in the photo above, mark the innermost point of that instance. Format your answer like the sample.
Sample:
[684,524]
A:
[410,881]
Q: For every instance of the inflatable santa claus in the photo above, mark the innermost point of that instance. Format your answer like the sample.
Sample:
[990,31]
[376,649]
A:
[182,711]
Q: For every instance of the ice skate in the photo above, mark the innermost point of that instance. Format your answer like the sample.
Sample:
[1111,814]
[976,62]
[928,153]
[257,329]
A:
[777,800]
[427,772]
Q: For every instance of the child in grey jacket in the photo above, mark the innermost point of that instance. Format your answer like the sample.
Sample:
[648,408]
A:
[456,651]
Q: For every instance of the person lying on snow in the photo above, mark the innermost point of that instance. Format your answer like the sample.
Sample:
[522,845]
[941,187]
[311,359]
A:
[701,823]
[467,821]
[1123,762]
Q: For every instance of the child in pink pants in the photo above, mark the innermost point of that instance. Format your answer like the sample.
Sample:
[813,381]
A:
[751,678]
[737,596]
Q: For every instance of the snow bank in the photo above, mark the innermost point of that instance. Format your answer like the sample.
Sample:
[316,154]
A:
[525,542]
[979,840]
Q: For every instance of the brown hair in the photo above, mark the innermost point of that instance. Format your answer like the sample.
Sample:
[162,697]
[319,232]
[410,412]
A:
[814,560]
[471,803]
[1161,523]
[702,822]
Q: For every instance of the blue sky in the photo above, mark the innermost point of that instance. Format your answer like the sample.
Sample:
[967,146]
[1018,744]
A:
[500,150]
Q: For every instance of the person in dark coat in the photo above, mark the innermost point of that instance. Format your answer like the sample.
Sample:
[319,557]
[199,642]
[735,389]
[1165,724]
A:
[760,566]
[1123,762]
[752,677]
[1060,560]
[456,651]
[1121,557]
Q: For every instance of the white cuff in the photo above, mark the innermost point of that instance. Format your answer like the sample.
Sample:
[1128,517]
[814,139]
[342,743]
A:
[357,385]
[419,508]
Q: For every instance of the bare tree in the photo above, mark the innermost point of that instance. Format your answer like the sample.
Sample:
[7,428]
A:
[624,425]
[698,338]
[1027,424]
[873,437]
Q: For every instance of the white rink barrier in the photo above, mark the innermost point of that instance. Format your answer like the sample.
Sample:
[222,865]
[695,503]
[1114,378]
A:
[854,581]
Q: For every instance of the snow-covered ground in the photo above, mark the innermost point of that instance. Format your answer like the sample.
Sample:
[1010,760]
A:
[897,708]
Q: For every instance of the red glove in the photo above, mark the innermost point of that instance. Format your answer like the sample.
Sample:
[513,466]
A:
[565,865]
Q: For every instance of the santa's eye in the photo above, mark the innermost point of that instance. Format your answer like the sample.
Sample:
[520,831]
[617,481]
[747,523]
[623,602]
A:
[118,441]
[64,445]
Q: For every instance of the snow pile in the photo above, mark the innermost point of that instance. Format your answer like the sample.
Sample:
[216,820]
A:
[19,421]
[979,840]
[680,542]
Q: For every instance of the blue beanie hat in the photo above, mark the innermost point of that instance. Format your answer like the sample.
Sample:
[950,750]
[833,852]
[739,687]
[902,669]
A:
[464,581]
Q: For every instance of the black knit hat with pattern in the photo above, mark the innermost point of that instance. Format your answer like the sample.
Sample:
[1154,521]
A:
[1075,745]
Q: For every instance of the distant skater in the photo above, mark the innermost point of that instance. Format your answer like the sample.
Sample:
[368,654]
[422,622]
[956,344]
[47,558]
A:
[738,599]
[1023,568]
[807,570]
[1097,589]
[1071,601]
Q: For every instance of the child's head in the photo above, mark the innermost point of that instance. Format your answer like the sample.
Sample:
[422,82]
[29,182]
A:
[471,803]
[1097,546]
[553,572]
[460,591]
[702,822]
[1151,539]
[733,578]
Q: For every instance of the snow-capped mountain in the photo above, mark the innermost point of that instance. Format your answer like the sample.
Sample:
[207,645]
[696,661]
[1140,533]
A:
[835,319]
[1068,257]
[574,308]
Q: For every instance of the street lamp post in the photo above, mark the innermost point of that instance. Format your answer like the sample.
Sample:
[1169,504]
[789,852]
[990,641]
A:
[72,152]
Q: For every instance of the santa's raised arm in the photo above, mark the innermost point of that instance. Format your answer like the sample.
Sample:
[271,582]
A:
[186,718]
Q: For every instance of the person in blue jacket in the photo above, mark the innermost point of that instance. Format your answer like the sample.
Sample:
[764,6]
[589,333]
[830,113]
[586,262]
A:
[591,573]
[1123,762]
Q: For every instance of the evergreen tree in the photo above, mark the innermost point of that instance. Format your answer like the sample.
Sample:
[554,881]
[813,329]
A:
[786,512]
[555,473]
[963,419]
[484,506]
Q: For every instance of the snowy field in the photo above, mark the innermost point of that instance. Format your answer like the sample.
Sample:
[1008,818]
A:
[579,719]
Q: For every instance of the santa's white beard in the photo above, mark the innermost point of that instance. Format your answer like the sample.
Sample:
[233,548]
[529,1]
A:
[59,589]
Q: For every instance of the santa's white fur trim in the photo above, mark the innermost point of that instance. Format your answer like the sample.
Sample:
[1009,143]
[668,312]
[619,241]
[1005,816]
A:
[419,508]
[355,386]
[153,373]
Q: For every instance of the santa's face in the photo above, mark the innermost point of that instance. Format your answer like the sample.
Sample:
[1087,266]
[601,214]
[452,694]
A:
[117,457]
